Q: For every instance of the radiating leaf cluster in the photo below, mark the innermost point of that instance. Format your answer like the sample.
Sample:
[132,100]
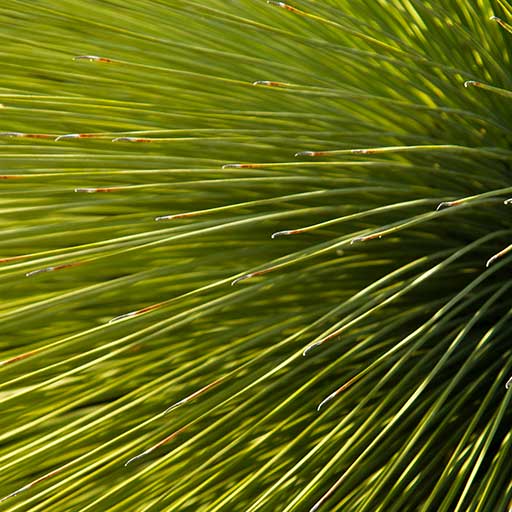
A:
[254,256]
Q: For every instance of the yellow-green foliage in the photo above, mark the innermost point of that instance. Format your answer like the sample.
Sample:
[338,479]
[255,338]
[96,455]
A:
[355,361]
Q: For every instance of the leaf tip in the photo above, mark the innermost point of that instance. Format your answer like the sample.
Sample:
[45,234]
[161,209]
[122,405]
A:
[241,278]
[92,58]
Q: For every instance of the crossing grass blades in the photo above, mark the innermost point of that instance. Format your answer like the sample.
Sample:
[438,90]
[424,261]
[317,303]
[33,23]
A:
[256,256]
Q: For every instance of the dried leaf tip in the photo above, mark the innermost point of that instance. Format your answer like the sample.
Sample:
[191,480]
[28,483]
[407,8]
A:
[365,238]
[284,233]
[447,204]
[27,135]
[282,5]
[325,400]
[308,153]
[92,58]
[157,445]
[509,383]
[34,482]
[133,459]
[94,190]
[122,317]
[239,166]
[499,21]
[311,347]
[270,83]
[15,493]
[241,278]
[195,394]
[17,358]
[67,136]
[174,216]
[138,312]
[257,273]
[50,269]
[131,139]
[500,254]
[11,134]
[364,151]
[502,24]
[315,507]
[490,261]
[74,136]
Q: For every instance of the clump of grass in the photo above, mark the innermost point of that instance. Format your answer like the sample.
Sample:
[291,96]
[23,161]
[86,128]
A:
[255,257]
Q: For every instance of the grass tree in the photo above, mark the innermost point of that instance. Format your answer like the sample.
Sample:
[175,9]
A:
[255,256]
